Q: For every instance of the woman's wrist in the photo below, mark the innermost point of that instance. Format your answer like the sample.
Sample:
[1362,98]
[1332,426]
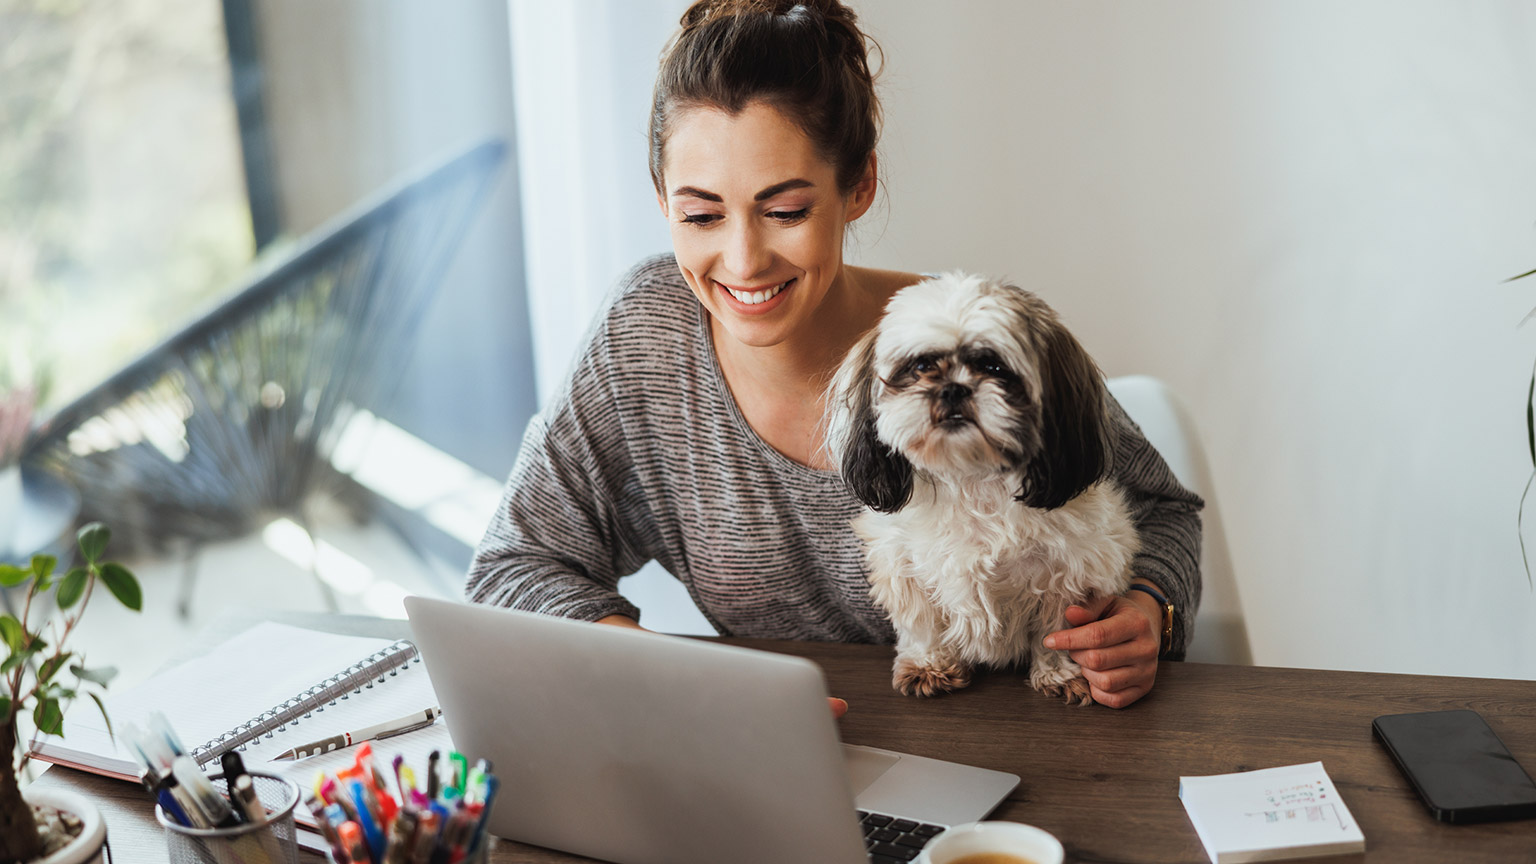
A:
[1153,603]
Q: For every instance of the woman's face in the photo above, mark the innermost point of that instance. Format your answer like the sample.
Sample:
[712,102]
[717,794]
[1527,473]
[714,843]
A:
[756,218]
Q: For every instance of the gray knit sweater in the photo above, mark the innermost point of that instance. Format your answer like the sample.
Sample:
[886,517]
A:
[645,455]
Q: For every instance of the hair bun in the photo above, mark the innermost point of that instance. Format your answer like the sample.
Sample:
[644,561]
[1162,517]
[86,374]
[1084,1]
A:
[706,10]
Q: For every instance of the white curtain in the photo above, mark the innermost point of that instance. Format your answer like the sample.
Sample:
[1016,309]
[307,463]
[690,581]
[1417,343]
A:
[582,74]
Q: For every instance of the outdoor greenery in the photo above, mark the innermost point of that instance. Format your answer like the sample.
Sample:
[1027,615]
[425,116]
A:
[122,197]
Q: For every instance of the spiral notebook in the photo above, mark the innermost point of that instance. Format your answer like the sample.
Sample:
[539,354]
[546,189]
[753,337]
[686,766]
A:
[262,692]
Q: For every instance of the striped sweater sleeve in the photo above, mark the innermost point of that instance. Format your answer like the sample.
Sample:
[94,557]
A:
[1167,517]
[563,533]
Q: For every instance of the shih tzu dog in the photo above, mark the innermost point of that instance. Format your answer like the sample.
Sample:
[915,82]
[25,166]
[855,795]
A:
[974,428]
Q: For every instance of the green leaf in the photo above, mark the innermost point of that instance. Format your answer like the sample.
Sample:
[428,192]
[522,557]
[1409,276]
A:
[1530,417]
[13,633]
[5,708]
[1521,276]
[13,661]
[123,585]
[104,718]
[51,667]
[11,575]
[102,676]
[93,541]
[72,587]
[42,566]
[48,717]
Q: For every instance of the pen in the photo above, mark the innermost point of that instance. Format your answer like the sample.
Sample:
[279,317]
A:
[399,849]
[432,774]
[243,792]
[373,832]
[492,784]
[460,769]
[322,813]
[352,841]
[409,723]
[204,797]
[426,837]
[183,799]
[156,786]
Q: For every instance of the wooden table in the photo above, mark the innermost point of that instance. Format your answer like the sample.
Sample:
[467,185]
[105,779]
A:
[1106,782]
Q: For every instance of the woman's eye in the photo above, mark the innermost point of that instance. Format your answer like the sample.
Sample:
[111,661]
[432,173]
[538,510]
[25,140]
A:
[700,218]
[788,215]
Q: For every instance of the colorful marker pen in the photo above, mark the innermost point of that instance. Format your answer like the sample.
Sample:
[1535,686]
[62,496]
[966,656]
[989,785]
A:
[352,841]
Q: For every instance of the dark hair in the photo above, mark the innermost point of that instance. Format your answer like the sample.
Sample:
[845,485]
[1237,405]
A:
[807,59]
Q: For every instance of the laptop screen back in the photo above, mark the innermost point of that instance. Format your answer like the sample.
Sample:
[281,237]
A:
[636,747]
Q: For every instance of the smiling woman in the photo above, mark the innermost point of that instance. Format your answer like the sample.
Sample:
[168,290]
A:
[691,429]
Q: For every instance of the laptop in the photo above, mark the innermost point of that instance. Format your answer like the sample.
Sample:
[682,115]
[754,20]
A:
[642,748]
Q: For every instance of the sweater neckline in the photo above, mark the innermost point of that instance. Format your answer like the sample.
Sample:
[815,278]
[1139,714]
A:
[782,463]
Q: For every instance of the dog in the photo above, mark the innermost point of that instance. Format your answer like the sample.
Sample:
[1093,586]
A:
[974,428]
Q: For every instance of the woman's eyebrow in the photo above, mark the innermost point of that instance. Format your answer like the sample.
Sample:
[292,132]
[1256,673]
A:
[785,186]
[776,188]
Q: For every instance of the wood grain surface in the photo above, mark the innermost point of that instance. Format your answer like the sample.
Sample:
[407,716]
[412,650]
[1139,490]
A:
[1106,782]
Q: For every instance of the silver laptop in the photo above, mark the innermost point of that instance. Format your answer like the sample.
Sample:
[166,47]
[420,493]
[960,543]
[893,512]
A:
[641,748]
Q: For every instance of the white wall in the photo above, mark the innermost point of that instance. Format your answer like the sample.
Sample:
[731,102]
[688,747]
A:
[1297,214]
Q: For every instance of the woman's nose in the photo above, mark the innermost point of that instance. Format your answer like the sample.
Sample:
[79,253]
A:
[746,254]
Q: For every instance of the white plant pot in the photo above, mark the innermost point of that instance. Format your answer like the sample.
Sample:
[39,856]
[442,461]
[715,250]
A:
[10,503]
[88,848]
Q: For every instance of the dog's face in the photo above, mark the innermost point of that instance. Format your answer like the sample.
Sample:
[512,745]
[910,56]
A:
[962,378]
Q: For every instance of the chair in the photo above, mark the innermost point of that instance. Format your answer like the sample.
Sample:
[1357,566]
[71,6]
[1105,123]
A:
[232,420]
[1221,636]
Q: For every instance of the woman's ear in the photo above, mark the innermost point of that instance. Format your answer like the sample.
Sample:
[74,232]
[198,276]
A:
[863,195]
[878,476]
[1075,446]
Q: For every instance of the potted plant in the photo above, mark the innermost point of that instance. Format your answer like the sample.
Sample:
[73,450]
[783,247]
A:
[41,677]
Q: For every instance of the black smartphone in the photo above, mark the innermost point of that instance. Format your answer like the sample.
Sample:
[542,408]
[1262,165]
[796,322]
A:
[1461,770]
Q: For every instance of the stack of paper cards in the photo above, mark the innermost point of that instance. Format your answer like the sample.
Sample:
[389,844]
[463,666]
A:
[1268,815]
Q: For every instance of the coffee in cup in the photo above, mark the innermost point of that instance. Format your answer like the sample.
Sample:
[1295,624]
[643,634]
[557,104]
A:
[992,843]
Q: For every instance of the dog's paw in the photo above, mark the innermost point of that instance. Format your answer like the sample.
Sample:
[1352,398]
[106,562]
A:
[914,680]
[1075,692]
[1062,683]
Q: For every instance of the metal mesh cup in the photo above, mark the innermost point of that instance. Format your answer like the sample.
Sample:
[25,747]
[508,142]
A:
[271,841]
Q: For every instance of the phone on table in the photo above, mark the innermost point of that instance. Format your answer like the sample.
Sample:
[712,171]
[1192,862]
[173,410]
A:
[1459,767]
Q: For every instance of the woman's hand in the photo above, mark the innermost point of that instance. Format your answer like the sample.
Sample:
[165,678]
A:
[839,707]
[1115,640]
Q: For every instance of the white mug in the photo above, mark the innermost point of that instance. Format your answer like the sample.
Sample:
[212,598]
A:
[1009,838]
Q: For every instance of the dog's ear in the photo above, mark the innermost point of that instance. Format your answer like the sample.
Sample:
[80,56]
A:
[1076,443]
[879,477]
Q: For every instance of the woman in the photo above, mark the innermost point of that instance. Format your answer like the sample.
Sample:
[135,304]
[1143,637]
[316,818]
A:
[689,430]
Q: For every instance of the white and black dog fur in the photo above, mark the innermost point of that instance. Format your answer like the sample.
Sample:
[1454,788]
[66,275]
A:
[974,428]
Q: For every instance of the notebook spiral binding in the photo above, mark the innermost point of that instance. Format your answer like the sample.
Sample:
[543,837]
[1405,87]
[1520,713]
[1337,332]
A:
[352,679]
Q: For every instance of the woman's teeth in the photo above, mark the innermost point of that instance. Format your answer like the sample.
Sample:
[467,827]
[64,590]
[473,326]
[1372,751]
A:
[752,298]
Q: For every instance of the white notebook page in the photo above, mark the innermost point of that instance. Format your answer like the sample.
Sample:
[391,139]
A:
[249,674]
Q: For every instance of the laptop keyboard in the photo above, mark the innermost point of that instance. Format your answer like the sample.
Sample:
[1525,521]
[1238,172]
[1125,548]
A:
[894,841]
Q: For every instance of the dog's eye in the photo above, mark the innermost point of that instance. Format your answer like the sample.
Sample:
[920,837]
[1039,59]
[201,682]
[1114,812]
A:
[924,365]
[989,364]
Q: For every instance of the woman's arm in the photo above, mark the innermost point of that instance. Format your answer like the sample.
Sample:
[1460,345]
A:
[556,543]
[1117,640]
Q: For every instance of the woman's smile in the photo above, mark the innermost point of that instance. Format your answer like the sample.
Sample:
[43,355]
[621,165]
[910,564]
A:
[755,301]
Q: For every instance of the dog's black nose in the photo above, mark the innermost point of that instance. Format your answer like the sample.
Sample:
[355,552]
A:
[953,392]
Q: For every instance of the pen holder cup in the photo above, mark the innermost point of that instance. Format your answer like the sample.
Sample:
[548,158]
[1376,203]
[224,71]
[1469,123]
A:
[274,840]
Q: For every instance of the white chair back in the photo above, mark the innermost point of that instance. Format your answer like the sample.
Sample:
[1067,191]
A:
[1221,634]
